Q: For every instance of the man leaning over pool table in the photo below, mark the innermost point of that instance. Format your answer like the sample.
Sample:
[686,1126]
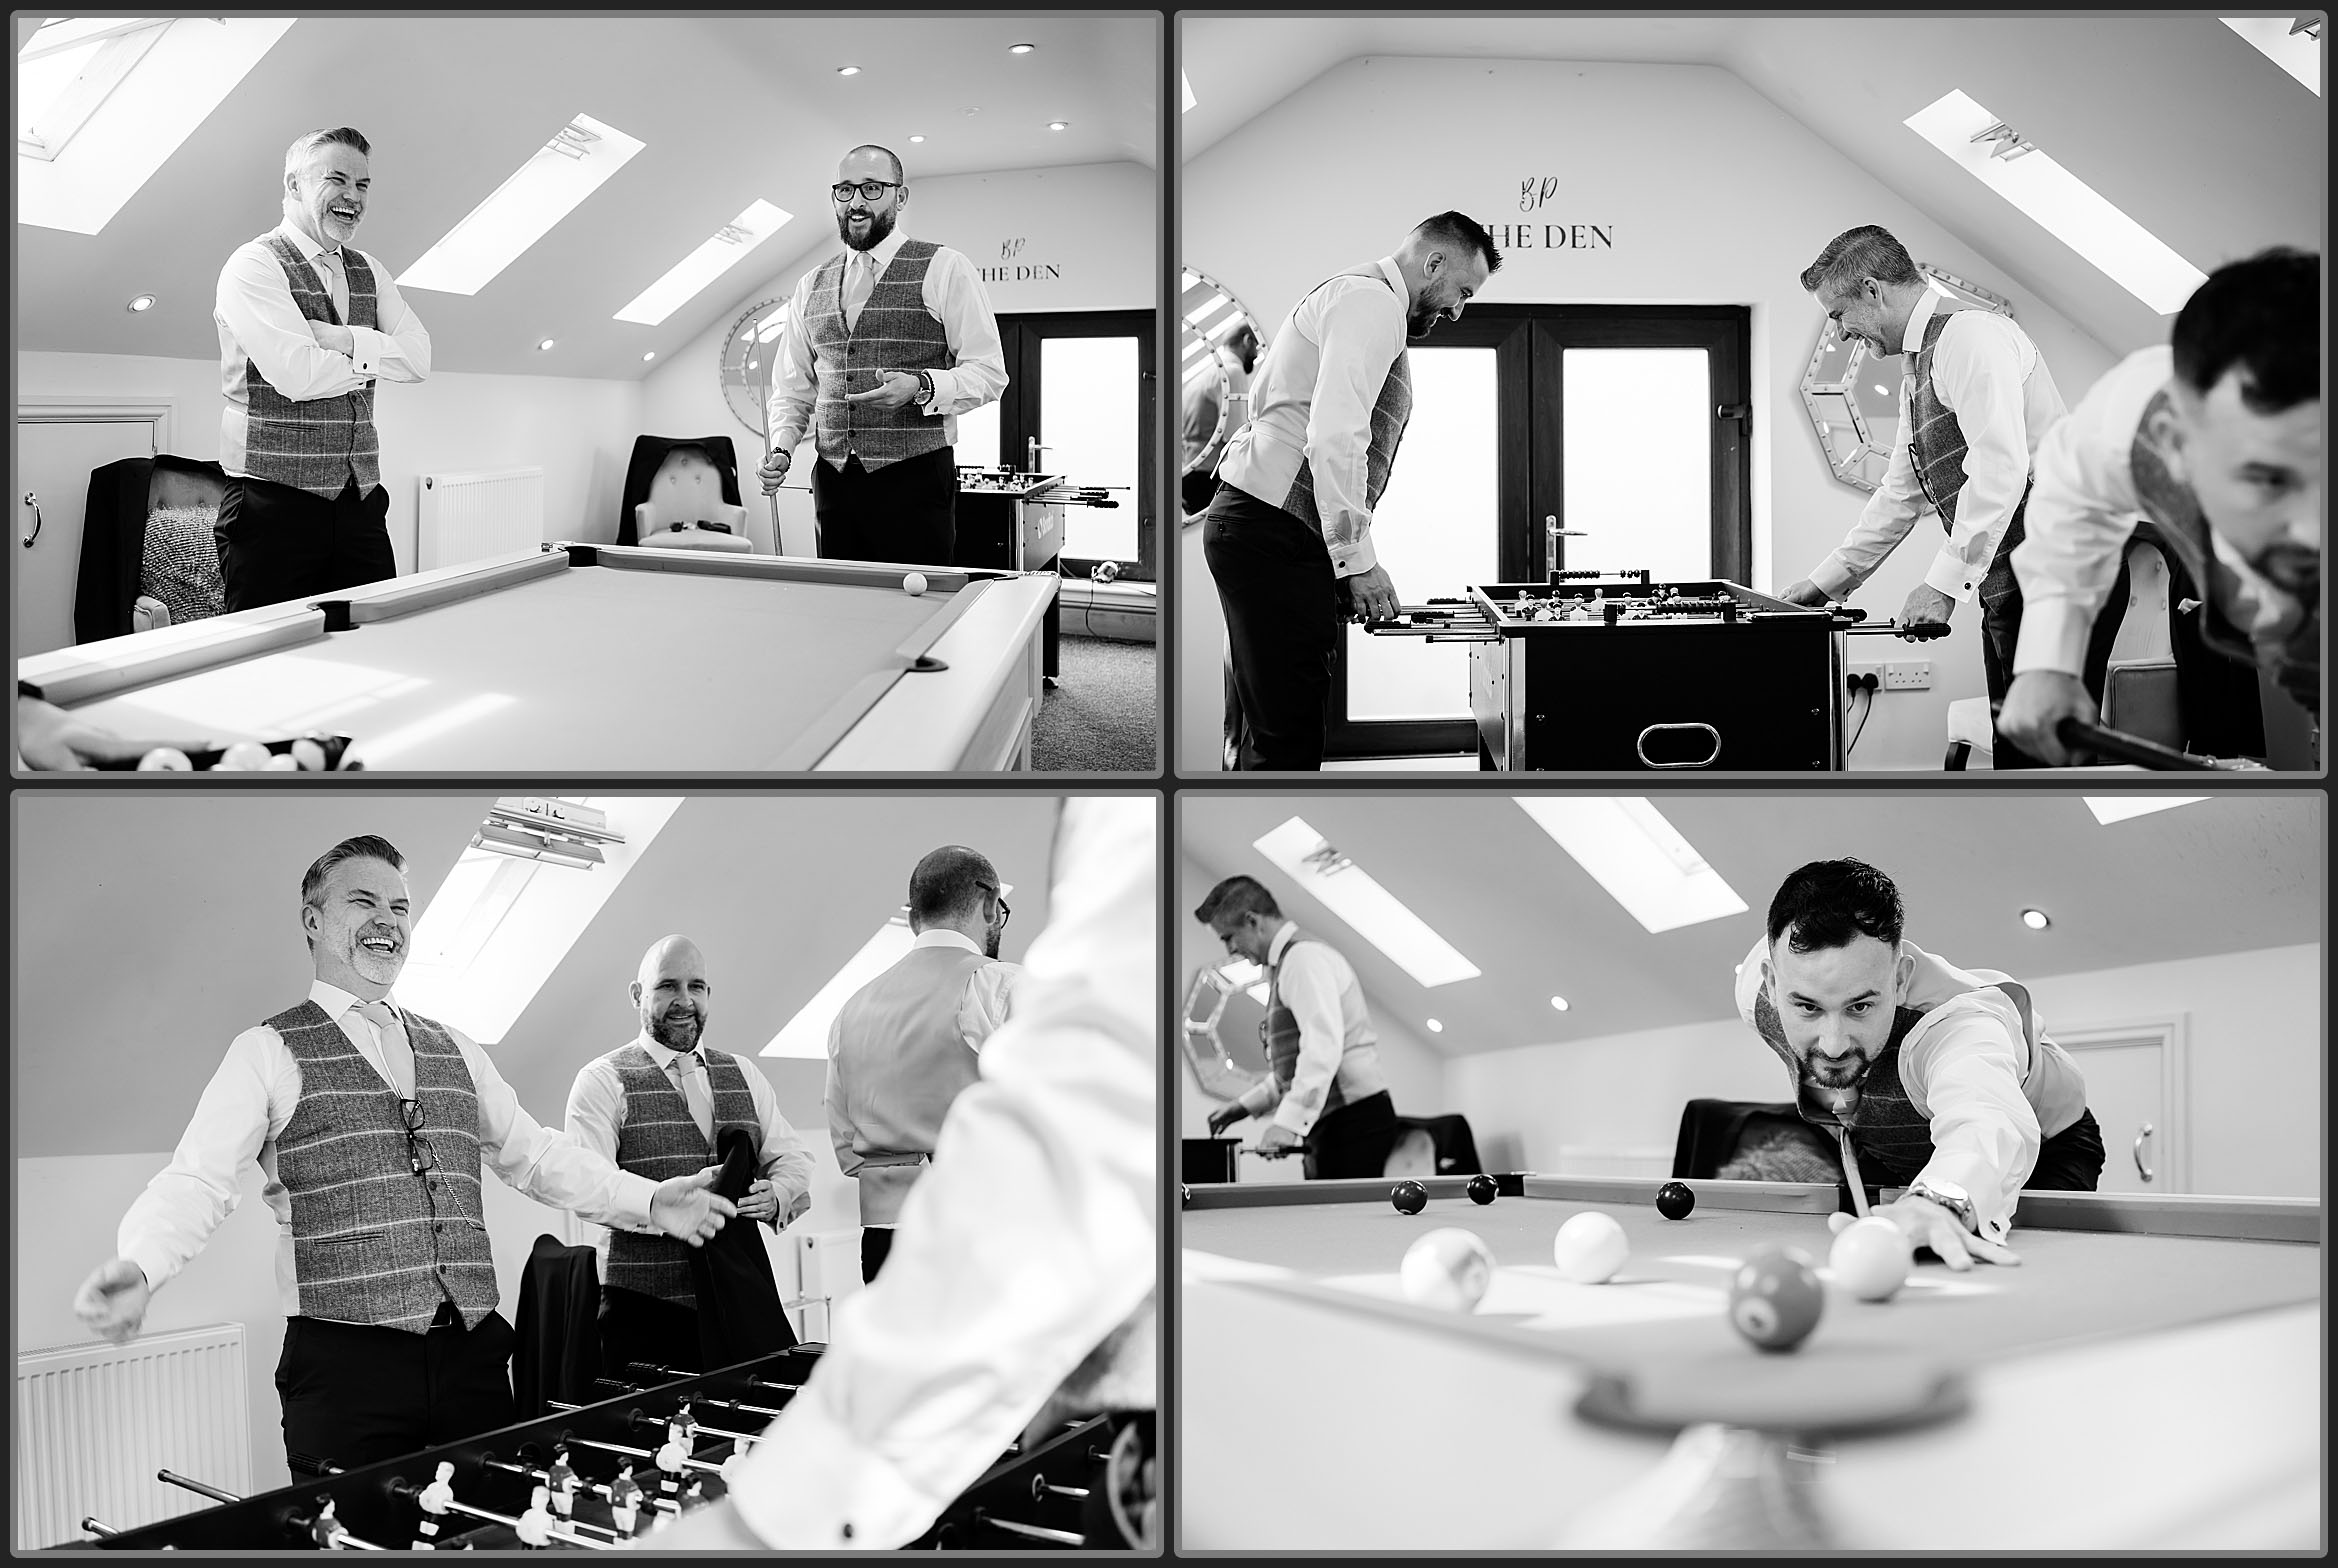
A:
[1928,1076]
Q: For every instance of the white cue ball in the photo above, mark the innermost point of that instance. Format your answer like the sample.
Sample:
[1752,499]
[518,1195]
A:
[1836,1222]
[1590,1248]
[913,584]
[1871,1259]
[245,756]
[309,755]
[1447,1269]
[280,762]
[165,759]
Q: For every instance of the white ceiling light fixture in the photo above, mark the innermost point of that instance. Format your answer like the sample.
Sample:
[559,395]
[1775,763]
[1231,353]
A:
[85,146]
[1370,910]
[556,180]
[652,354]
[805,1036]
[1559,1003]
[1059,125]
[544,347]
[2295,46]
[1436,1027]
[914,140]
[1984,146]
[729,245]
[2108,809]
[1643,862]
[848,70]
[142,304]
[2036,919]
[1021,48]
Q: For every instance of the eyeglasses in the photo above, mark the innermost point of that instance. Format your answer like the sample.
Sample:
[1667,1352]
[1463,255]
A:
[870,189]
[419,1153]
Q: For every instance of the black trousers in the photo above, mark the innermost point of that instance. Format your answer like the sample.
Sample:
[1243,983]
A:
[355,1394]
[2071,1160]
[905,511]
[876,1244]
[1284,607]
[2000,597]
[278,543]
[1353,1140]
[638,1327]
[1195,489]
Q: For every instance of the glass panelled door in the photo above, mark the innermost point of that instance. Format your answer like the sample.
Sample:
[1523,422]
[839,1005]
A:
[1079,403]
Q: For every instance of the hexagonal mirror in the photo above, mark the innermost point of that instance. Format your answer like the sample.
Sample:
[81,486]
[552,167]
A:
[1221,1033]
[1854,401]
[746,363]
[1207,316]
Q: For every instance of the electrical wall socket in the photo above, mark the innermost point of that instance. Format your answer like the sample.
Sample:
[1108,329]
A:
[1907,675]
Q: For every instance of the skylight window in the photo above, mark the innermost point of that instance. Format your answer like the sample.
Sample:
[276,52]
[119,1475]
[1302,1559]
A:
[729,246]
[2065,205]
[496,928]
[805,1036]
[1186,82]
[1370,910]
[1638,857]
[2108,809]
[554,182]
[102,102]
[2295,46]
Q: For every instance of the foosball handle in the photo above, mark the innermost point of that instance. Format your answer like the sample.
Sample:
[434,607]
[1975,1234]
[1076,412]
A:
[90,1526]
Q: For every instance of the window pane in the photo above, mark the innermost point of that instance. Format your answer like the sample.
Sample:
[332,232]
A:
[1436,531]
[1638,449]
[978,438]
[1088,421]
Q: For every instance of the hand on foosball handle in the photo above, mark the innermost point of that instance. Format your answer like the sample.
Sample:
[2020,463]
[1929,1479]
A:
[112,1301]
[1276,1142]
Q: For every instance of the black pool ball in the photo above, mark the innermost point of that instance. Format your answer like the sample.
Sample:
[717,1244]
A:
[1481,1189]
[1674,1200]
[1410,1197]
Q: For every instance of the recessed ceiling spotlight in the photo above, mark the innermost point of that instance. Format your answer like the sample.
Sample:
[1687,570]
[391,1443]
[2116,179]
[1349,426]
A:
[1435,1027]
[143,302]
[546,344]
[848,70]
[652,354]
[1559,1002]
[2035,919]
[916,139]
[1021,48]
[1059,125]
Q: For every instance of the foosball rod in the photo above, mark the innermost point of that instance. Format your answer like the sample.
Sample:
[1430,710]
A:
[1029,1531]
[90,1526]
[639,1453]
[488,1461]
[212,1492]
[452,1506]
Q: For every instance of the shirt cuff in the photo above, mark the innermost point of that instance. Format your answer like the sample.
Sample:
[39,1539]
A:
[631,1200]
[1292,1119]
[366,348]
[2053,637]
[152,1262]
[1833,578]
[945,388]
[812,1486]
[1952,576]
[1356,559]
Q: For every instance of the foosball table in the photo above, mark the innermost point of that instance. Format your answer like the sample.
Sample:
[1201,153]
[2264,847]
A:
[1009,518]
[1600,671]
[595,1476]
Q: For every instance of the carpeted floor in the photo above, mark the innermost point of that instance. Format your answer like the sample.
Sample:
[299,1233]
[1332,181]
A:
[1105,717]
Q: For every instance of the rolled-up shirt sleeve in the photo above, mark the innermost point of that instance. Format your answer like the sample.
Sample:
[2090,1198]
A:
[1965,1075]
[1310,989]
[535,1160]
[1359,347]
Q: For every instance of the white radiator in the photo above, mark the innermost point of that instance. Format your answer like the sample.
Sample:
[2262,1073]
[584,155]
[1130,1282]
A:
[828,1262]
[95,1422]
[466,517]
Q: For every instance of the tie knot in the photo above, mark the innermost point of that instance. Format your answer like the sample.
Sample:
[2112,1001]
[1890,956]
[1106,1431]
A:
[380,1014]
[686,1061]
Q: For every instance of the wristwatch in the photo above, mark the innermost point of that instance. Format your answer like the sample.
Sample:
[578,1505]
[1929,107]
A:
[1949,1196]
[925,389]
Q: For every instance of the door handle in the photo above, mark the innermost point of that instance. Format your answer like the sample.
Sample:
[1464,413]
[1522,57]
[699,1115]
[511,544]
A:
[34,502]
[2142,1169]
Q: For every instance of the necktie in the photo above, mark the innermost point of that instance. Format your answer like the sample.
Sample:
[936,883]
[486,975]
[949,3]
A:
[336,284]
[859,282]
[692,1073]
[397,1051]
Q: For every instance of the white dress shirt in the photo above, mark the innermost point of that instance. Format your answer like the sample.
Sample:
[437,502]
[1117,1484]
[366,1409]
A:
[1311,401]
[1031,1240]
[259,322]
[1319,986]
[954,296]
[2083,511]
[250,1100]
[1990,375]
[1968,1067]
[596,1112]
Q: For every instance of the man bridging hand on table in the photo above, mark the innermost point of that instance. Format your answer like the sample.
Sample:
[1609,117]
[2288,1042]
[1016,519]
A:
[1931,1077]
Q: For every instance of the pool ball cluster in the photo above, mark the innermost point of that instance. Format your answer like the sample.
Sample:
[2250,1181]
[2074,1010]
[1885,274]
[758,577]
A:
[1775,1296]
[307,754]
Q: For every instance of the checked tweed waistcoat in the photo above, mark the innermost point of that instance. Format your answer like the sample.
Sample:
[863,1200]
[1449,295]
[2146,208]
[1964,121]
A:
[1358,1073]
[322,444]
[1893,1142]
[894,331]
[372,1242]
[1392,410]
[660,1140]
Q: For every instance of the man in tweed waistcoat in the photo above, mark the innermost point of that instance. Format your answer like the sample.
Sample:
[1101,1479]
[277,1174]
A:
[307,324]
[1324,1090]
[371,1124]
[1288,533]
[658,1106]
[884,347]
[1929,1077]
[1976,401]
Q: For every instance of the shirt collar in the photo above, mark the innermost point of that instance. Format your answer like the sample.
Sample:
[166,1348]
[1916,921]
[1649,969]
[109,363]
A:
[942,936]
[884,250]
[661,1053]
[1393,273]
[300,240]
[1914,340]
[1281,942]
[336,1001]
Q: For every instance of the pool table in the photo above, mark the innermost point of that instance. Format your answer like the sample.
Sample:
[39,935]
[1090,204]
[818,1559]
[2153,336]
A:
[601,659]
[2149,1377]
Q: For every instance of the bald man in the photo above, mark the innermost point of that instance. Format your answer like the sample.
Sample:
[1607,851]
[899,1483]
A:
[661,1103]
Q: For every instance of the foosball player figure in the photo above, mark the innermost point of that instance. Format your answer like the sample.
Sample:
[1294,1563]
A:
[625,1501]
[535,1526]
[562,1480]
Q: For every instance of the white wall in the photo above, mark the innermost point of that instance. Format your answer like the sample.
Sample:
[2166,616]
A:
[579,432]
[1712,195]
[2254,1045]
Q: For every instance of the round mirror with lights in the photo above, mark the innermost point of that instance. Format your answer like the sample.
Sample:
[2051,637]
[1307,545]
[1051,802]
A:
[747,362]
[1207,316]
[1854,402]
